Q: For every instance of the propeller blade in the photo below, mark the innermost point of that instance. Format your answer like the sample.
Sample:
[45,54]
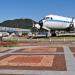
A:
[72,24]
[72,19]
[41,24]
[33,24]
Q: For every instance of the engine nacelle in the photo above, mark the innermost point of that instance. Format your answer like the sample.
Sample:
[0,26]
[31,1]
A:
[71,26]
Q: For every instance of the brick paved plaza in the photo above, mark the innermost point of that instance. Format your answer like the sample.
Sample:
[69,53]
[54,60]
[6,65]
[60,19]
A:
[37,58]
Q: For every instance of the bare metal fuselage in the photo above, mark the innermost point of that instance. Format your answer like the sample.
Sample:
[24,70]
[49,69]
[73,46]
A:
[55,24]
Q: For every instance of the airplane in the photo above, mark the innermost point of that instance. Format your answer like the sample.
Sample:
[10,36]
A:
[55,24]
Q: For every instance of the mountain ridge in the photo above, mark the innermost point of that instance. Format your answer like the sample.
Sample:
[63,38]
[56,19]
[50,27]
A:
[18,23]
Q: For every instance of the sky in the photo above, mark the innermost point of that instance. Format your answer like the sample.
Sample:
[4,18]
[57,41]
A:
[35,9]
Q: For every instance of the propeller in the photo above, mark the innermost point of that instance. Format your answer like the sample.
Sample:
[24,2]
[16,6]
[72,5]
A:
[41,24]
[33,24]
[71,24]
[38,25]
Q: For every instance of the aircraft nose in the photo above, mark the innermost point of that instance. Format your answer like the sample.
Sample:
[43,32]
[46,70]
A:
[41,23]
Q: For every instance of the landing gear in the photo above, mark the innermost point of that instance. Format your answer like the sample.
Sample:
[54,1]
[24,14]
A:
[53,33]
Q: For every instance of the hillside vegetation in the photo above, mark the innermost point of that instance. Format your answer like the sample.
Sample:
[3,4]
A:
[18,23]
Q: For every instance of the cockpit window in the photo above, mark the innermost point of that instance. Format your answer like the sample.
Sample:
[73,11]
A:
[46,18]
[49,18]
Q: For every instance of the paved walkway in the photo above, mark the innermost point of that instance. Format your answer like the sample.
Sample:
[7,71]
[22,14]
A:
[69,59]
[36,72]
[13,49]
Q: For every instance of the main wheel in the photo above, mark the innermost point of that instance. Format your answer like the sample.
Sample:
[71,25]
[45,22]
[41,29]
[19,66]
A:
[53,33]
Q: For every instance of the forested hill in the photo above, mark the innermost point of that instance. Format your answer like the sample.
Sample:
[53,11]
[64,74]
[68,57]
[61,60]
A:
[18,23]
